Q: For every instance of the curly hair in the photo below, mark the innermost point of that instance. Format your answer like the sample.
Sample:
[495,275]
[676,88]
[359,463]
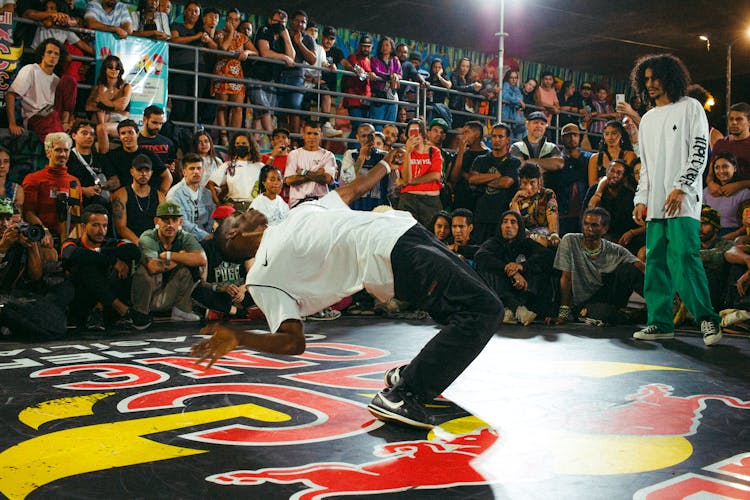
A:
[625,142]
[666,68]
[42,48]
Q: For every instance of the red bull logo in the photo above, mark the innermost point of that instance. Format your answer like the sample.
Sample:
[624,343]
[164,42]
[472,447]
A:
[404,465]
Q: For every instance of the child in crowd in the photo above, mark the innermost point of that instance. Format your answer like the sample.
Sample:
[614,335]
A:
[269,202]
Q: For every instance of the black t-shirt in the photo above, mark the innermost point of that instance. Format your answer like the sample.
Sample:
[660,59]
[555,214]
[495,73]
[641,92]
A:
[119,162]
[184,58]
[23,33]
[220,271]
[163,147]
[297,71]
[334,56]
[76,168]
[266,71]
[494,201]
[466,194]
[570,183]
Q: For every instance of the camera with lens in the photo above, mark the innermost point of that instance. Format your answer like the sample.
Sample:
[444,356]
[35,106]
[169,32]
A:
[32,232]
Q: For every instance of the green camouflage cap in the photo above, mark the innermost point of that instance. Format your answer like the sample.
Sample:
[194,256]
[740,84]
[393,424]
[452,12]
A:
[168,209]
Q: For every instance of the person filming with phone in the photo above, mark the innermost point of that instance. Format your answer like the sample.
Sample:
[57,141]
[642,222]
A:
[359,161]
[421,175]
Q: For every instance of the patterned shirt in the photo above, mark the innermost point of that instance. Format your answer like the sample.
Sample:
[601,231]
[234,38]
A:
[534,209]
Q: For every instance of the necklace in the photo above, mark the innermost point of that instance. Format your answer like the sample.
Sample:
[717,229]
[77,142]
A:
[148,205]
[595,252]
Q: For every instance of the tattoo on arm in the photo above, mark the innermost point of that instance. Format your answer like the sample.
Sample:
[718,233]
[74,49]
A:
[118,209]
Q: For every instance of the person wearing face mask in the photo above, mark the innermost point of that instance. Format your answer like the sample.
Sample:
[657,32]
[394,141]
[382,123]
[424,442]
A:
[236,181]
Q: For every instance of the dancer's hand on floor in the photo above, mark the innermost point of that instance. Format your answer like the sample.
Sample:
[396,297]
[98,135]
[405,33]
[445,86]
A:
[223,340]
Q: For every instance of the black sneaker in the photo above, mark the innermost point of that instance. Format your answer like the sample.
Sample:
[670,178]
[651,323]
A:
[95,321]
[401,406]
[134,319]
[393,376]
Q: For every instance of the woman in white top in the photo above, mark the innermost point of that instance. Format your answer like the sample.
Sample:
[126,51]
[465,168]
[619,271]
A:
[269,202]
[148,22]
[203,146]
[237,179]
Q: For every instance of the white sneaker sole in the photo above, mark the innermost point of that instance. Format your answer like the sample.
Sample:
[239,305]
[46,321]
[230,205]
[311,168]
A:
[383,414]
[712,339]
[653,336]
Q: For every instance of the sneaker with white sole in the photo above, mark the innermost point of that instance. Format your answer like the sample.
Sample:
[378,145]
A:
[325,315]
[711,332]
[393,376]
[524,316]
[329,131]
[135,319]
[652,332]
[399,405]
[180,315]
[509,318]
[593,321]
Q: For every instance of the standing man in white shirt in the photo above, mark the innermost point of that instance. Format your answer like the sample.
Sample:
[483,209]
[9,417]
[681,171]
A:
[309,169]
[674,151]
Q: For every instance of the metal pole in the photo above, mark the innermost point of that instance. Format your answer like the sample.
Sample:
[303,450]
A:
[729,80]
[500,50]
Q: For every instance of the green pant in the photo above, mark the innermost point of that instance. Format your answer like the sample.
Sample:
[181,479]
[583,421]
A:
[673,264]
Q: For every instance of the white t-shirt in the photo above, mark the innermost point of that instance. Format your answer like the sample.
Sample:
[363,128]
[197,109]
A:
[301,159]
[321,253]
[275,210]
[243,185]
[61,36]
[36,89]
[674,151]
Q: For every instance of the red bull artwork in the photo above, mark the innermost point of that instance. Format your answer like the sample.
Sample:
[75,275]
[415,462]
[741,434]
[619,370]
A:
[138,418]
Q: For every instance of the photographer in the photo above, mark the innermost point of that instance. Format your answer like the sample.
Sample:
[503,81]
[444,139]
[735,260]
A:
[359,161]
[280,144]
[52,193]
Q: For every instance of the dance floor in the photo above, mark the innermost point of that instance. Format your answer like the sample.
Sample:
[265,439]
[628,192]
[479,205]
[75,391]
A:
[550,413]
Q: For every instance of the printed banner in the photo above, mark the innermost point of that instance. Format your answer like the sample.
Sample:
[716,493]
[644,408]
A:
[9,55]
[145,62]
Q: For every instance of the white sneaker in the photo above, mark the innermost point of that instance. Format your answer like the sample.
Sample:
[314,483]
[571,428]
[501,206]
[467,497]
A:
[711,332]
[180,315]
[525,316]
[510,317]
[325,315]
[651,332]
[329,131]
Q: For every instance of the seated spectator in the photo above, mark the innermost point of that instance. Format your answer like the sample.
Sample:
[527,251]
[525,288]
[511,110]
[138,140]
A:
[724,166]
[88,165]
[109,101]
[280,146]
[100,269]
[470,146]
[9,190]
[463,81]
[421,175]
[190,32]
[535,148]
[614,146]
[47,191]
[109,15]
[309,169]
[269,202]
[436,134]
[134,206]
[151,140]
[441,227]
[570,102]
[713,250]
[570,182]
[47,101]
[358,162]
[148,22]
[170,264]
[601,111]
[496,176]
[386,66]
[195,201]
[529,90]
[616,196]
[203,146]
[390,134]
[51,28]
[119,161]
[736,142]
[231,40]
[598,276]
[378,141]
[537,206]
[222,290]
[22,260]
[235,182]
[546,97]
[513,105]
[517,269]
[462,225]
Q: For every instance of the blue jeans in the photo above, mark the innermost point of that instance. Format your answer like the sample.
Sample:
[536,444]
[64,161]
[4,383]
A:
[379,111]
[358,113]
[288,98]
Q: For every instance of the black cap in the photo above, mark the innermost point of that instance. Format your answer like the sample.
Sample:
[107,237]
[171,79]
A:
[365,40]
[329,32]
[141,162]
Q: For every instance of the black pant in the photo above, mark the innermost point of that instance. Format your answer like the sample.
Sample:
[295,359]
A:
[615,292]
[94,285]
[430,276]
[539,296]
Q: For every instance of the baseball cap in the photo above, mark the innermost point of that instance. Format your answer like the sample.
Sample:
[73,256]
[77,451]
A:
[571,128]
[168,209]
[586,85]
[365,40]
[415,56]
[537,115]
[6,206]
[222,212]
[440,122]
[329,32]
[710,215]
[142,161]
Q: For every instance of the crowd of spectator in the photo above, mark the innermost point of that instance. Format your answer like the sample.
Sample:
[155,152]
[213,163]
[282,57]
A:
[128,214]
